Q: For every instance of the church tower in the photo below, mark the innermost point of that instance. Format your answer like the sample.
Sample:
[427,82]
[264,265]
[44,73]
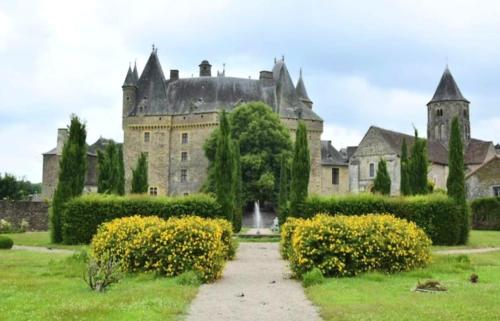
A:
[446,104]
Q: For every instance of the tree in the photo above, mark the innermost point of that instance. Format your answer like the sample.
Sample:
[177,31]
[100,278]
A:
[224,167]
[140,176]
[237,188]
[12,188]
[382,182]
[72,172]
[121,172]
[456,175]
[262,138]
[405,187]
[284,188]
[300,171]
[418,166]
[110,179]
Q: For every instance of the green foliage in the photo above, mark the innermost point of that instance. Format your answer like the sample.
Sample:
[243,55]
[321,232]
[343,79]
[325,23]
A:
[101,275]
[12,188]
[438,215]
[300,171]
[262,138]
[486,213]
[189,278]
[72,172]
[286,232]
[120,184]
[405,188]
[237,188]
[382,182]
[284,189]
[312,277]
[140,176]
[348,245]
[84,214]
[6,226]
[417,166]
[6,243]
[110,179]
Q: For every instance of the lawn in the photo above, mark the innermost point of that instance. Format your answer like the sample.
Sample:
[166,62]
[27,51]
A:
[477,239]
[376,296]
[40,239]
[49,286]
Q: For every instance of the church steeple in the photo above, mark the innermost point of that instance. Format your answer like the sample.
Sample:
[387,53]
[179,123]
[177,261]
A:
[447,90]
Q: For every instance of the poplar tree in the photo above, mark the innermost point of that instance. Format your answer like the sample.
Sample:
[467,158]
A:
[284,188]
[121,172]
[140,176]
[418,166]
[405,187]
[110,179]
[301,166]
[72,172]
[382,182]
[223,169]
[237,187]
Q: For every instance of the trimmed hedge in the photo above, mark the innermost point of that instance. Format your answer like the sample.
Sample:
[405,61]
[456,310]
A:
[168,247]
[347,245]
[440,217]
[82,215]
[486,213]
[6,243]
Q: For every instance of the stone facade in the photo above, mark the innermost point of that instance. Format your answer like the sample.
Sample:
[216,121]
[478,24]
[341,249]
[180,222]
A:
[485,180]
[328,186]
[36,213]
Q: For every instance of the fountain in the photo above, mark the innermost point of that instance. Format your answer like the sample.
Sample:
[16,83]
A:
[257,217]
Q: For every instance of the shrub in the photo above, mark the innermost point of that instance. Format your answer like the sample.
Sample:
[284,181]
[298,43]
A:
[439,216]
[84,214]
[312,277]
[6,243]
[347,245]
[168,247]
[5,226]
[287,230]
[100,275]
[486,213]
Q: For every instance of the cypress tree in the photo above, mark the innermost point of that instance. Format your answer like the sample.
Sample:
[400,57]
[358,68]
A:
[301,166]
[102,172]
[223,167]
[121,172]
[405,187]
[237,188]
[382,182]
[110,179]
[140,176]
[72,172]
[418,166]
[284,188]
[456,177]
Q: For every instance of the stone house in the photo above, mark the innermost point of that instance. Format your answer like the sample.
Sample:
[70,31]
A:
[484,181]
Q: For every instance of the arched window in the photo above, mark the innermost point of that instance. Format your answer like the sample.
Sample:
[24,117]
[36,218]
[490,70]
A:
[372,170]
[436,132]
[443,132]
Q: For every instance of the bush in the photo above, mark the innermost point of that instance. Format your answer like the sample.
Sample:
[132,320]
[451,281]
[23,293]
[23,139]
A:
[287,231]
[312,277]
[100,275]
[84,214]
[5,226]
[347,245]
[486,213]
[439,216]
[168,247]
[6,243]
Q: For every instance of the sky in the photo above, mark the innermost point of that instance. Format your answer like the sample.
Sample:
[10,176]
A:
[364,62]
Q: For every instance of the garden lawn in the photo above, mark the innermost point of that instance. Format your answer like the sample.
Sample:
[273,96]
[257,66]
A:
[376,296]
[49,286]
[477,239]
[40,239]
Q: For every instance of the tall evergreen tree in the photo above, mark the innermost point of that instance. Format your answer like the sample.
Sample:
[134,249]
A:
[103,172]
[405,188]
[301,167]
[109,165]
[237,187]
[418,166]
[456,176]
[140,176]
[72,172]
[284,188]
[223,167]
[121,172]
[382,182]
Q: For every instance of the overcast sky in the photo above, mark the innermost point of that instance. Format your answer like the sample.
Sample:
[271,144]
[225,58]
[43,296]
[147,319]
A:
[365,62]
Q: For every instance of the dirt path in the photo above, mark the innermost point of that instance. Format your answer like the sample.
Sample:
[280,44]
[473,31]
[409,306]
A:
[255,286]
[468,251]
[41,249]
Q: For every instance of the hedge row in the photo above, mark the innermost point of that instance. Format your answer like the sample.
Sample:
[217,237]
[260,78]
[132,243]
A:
[440,217]
[82,215]
[486,213]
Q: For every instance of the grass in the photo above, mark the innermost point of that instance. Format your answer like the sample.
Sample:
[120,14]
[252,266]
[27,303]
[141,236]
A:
[40,239]
[49,286]
[477,239]
[376,296]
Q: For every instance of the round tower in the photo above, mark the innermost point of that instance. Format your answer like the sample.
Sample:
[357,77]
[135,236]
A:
[129,89]
[205,69]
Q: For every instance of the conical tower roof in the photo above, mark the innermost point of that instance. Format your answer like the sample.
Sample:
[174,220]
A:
[301,88]
[447,90]
[136,74]
[129,79]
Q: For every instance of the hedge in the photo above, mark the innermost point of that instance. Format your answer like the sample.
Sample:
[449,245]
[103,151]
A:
[347,245]
[82,215]
[6,243]
[486,213]
[439,216]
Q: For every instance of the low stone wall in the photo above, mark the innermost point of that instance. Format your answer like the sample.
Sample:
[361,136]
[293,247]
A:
[36,213]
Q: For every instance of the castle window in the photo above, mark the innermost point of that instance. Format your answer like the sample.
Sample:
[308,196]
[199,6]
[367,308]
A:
[184,174]
[465,112]
[496,190]
[184,138]
[335,176]
[128,98]
[153,191]
[372,169]
[184,157]
[443,133]
[436,132]
[147,136]
[439,112]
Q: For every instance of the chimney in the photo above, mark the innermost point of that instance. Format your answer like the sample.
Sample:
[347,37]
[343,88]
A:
[174,74]
[205,69]
[62,137]
[266,78]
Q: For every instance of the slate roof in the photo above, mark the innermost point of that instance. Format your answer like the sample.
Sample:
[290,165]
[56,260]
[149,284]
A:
[331,156]
[99,144]
[159,96]
[129,79]
[300,89]
[447,89]
[494,158]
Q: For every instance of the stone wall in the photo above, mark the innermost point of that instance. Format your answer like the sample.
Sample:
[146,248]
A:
[327,186]
[36,213]
[481,182]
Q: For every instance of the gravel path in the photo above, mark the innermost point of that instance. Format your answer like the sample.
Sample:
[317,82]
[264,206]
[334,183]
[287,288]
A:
[41,249]
[255,286]
[469,251]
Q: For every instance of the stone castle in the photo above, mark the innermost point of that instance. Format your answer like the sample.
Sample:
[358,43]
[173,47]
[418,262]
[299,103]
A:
[170,119]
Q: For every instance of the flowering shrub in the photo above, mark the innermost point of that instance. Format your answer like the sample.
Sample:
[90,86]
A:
[287,231]
[347,245]
[168,247]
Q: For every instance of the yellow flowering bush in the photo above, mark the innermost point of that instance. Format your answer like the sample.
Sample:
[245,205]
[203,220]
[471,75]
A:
[286,232]
[347,245]
[168,247]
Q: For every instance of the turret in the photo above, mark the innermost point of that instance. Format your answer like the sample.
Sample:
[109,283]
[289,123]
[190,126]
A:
[302,92]
[129,89]
[205,69]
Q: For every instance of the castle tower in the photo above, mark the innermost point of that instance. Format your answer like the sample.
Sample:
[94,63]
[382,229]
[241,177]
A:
[446,104]
[302,92]
[205,69]
[129,89]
